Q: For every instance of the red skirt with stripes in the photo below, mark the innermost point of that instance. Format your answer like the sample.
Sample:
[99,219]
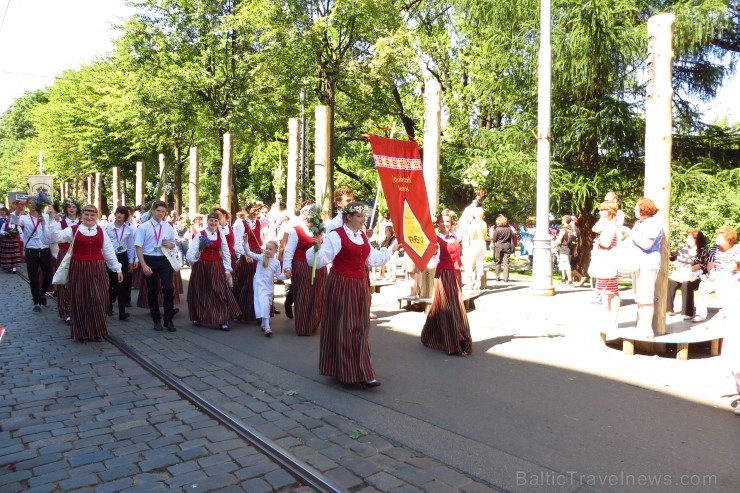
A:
[64,303]
[308,298]
[210,299]
[88,294]
[245,291]
[345,326]
[10,255]
[609,285]
[143,300]
[447,327]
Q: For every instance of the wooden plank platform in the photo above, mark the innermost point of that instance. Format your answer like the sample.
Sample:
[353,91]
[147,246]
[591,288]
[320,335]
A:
[376,285]
[468,297]
[681,338]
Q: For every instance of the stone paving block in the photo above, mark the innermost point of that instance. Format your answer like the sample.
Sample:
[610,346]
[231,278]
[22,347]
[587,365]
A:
[344,478]
[380,444]
[344,441]
[384,481]
[406,489]
[221,468]
[184,467]
[119,471]
[411,474]
[40,460]
[78,481]
[368,489]
[165,441]
[363,449]
[225,446]
[279,479]
[213,483]
[50,478]
[185,480]
[159,463]
[259,469]
[257,485]
[358,465]
[133,448]
[192,453]
[114,486]
[271,431]
[449,476]
[436,486]
[289,443]
[76,460]
[160,451]
[18,456]
[334,452]
[477,488]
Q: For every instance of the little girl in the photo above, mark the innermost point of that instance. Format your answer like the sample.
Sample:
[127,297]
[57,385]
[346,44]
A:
[268,268]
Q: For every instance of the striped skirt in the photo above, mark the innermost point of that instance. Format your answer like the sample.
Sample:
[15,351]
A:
[308,299]
[10,255]
[345,326]
[64,305]
[447,327]
[245,292]
[143,299]
[88,292]
[609,285]
[210,299]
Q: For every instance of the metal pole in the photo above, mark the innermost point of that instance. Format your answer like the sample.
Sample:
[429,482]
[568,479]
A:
[542,263]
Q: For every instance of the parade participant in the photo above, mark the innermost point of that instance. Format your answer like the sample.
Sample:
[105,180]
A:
[10,255]
[608,287]
[36,243]
[647,235]
[345,321]
[268,269]
[122,237]
[71,209]
[92,250]
[308,297]
[151,237]
[342,196]
[476,235]
[210,299]
[502,246]
[446,327]
[248,231]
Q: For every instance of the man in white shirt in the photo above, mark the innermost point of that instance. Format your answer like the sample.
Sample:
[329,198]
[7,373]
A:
[151,237]
[38,256]
[122,236]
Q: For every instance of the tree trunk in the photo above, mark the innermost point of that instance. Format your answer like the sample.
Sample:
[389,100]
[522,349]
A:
[177,192]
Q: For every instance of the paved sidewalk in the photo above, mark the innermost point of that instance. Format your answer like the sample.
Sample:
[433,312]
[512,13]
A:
[84,417]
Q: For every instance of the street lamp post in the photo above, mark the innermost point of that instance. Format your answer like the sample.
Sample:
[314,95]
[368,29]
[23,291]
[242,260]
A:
[542,258]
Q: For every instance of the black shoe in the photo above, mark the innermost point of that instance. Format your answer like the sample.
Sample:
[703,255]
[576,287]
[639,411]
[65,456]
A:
[277,312]
[169,326]
[370,385]
[124,316]
[224,327]
[66,320]
[36,307]
[289,311]
[196,323]
[158,326]
[42,300]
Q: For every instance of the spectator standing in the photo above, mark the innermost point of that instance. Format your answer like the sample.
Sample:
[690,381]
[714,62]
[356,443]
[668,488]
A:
[689,261]
[502,247]
[722,272]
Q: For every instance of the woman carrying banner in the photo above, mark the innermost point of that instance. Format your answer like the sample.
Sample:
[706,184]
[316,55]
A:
[308,296]
[447,327]
[345,324]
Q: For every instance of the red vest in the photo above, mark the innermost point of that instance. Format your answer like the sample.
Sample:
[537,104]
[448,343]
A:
[350,261]
[211,253]
[304,243]
[87,247]
[253,236]
[229,241]
[449,255]
[64,246]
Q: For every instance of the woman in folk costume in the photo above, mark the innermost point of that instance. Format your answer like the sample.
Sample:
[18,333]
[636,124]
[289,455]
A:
[210,299]
[268,268]
[249,231]
[92,250]
[447,327]
[71,209]
[345,321]
[10,255]
[308,297]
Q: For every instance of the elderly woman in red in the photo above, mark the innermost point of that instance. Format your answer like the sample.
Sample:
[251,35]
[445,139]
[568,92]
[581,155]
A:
[210,299]
[92,250]
[345,321]
[309,296]
[447,327]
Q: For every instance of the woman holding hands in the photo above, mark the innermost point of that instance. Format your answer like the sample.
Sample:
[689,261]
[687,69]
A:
[345,321]
[210,299]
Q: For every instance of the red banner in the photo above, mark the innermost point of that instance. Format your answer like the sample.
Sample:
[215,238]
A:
[400,170]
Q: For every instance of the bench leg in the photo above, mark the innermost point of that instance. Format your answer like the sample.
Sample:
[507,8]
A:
[628,347]
[715,349]
[682,351]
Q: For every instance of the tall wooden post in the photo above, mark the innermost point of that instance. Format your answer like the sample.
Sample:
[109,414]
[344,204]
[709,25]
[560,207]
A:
[98,196]
[140,190]
[430,162]
[162,197]
[658,142]
[89,190]
[116,187]
[323,188]
[193,199]
[65,189]
[227,184]
[294,137]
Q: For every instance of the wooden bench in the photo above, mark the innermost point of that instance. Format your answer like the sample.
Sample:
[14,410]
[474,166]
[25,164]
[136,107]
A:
[376,285]
[467,296]
[657,344]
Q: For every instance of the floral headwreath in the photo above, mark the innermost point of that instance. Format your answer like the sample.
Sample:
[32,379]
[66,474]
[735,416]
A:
[71,201]
[355,209]
[446,212]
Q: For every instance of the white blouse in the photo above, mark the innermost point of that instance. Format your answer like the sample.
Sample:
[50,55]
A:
[333,245]
[195,245]
[66,235]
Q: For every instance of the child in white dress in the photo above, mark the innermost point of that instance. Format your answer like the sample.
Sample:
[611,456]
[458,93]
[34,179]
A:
[268,268]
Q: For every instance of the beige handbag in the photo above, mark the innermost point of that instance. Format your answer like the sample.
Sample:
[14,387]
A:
[61,276]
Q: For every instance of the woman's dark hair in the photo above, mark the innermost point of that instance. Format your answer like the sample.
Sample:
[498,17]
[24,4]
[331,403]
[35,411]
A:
[387,241]
[122,209]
